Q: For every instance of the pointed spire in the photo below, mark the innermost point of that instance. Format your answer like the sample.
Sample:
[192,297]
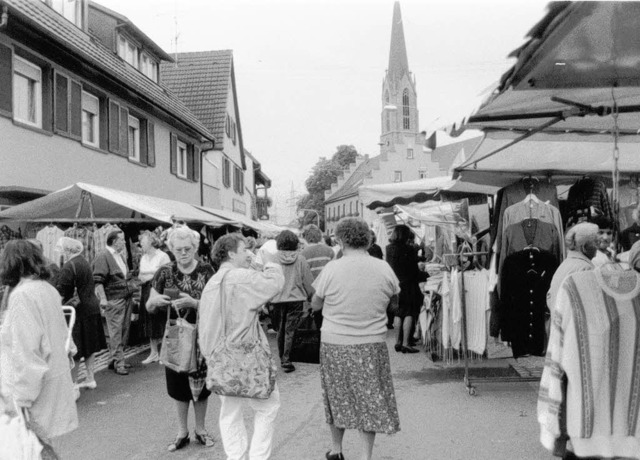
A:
[398,62]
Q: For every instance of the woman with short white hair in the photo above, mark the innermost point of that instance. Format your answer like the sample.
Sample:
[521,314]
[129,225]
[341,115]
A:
[88,334]
[178,286]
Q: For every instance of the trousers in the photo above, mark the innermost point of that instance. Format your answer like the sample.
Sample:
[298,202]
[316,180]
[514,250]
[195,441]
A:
[234,433]
[290,314]
[117,314]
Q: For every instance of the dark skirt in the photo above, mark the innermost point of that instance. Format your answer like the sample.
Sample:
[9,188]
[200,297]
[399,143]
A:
[357,387]
[88,335]
[184,387]
[410,300]
[152,323]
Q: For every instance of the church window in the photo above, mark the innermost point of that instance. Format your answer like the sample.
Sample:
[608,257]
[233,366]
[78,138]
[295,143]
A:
[388,122]
[422,173]
[406,118]
[397,176]
[410,154]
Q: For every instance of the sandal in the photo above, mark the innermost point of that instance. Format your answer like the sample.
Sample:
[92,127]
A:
[179,443]
[205,439]
[337,456]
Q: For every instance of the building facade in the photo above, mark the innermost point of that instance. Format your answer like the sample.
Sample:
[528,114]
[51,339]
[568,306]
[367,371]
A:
[81,101]
[206,82]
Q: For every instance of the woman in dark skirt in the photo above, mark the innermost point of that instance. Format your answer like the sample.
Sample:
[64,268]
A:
[187,278]
[354,293]
[402,255]
[87,333]
[152,323]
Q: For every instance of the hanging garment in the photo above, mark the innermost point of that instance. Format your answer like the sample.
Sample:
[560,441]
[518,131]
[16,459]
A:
[515,193]
[85,236]
[49,237]
[586,197]
[533,208]
[476,285]
[530,232]
[525,280]
[628,201]
[451,310]
[590,387]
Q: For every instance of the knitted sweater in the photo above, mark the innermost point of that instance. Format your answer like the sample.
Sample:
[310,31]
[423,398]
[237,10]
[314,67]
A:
[590,387]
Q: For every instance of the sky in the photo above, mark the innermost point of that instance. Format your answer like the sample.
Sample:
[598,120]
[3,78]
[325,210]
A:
[309,72]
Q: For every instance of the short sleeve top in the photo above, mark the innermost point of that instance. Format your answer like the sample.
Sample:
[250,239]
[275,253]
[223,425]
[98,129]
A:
[356,290]
[169,276]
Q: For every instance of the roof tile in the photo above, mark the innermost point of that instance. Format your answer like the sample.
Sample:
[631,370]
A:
[42,17]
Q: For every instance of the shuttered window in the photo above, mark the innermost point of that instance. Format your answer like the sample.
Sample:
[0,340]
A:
[114,127]
[185,159]
[226,172]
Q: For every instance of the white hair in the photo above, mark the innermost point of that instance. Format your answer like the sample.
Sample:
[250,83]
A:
[182,233]
[70,245]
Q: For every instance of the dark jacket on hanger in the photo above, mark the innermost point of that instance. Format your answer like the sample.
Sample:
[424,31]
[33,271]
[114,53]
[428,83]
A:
[530,232]
[629,236]
[525,280]
[584,194]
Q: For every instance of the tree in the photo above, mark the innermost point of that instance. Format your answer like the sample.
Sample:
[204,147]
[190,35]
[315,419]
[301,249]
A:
[324,173]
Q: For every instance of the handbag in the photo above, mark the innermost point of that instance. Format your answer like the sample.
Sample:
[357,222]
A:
[306,341]
[178,351]
[241,369]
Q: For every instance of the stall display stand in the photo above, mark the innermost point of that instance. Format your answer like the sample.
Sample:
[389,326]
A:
[468,381]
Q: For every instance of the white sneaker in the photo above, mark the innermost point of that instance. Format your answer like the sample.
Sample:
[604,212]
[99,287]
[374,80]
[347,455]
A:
[91,384]
[151,359]
[271,331]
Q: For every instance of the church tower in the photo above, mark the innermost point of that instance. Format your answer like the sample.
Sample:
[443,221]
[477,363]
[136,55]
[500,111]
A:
[399,117]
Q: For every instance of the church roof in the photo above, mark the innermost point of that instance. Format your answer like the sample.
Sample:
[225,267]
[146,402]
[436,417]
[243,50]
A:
[350,186]
[398,62]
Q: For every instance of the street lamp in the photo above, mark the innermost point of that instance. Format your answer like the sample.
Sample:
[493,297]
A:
[314,211]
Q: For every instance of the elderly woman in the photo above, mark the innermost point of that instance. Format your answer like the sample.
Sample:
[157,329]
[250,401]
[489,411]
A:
[402,255]
[88,333]
[245,292]
[581,243]
[34,366]
[188,276]
[152,323]
[354,293]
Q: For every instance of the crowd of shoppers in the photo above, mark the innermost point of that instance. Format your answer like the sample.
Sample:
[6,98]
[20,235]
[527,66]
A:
[349,285]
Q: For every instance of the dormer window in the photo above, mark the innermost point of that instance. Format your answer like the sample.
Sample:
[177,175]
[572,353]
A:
[148,66]
[128,51]
[134,55]
[70,9]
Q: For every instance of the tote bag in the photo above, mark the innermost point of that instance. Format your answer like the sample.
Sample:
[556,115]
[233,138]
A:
[178,351]
[241,369]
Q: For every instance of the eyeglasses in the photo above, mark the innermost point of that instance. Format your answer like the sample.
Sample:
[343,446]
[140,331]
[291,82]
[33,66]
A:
[183,250]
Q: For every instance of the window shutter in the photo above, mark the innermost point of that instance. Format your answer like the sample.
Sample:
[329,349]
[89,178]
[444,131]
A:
[197,155]
[104,124]
[143,141]
[174,154]
[124,131]
[6,74]
[151,144]
[75,110]
[114,127]
[47,98]
[61,99]
[190,161]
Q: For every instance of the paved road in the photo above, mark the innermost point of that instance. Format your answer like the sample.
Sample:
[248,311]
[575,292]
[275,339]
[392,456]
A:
[132,418]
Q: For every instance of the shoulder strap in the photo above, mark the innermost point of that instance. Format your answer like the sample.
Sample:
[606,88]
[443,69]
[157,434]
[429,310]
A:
[223,299]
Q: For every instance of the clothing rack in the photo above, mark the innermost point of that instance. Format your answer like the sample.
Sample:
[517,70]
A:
[471,389]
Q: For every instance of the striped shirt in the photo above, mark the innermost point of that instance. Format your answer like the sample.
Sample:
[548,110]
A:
[317,255]
[590,387]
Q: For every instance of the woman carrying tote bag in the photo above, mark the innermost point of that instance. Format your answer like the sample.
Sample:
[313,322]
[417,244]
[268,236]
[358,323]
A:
[244,291]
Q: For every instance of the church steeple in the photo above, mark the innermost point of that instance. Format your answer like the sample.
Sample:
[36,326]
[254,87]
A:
[399,117]
[398,62]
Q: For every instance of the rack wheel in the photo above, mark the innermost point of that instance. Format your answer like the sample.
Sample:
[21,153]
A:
[472,391]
